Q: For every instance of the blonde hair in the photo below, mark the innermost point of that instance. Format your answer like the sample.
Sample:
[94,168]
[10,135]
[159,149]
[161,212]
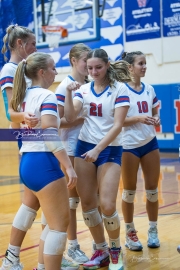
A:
[117,71]
[77,50]
[13,32]
[28,68]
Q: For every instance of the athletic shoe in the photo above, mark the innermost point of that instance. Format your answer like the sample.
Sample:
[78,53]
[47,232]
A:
[178,248]
[11,262]
[153,241]
[66,265]
[116,260]
[76,255]
[98,260]
[132,241]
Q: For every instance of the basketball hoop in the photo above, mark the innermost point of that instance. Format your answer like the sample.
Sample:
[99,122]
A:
[54,34]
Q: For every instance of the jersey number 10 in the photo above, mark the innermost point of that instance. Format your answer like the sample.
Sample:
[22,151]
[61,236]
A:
[142,106]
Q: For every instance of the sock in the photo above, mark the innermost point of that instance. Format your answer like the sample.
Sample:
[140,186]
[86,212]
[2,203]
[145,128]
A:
[72,243]
[41,266]
[129,226]
[15,250]
[152,224]
[114,243]
[94,247]
[102,246]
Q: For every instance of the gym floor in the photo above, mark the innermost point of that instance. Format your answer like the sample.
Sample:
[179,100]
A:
[165,257]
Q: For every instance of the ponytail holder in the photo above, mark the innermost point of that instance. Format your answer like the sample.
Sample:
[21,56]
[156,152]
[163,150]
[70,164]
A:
[14,26]
[24,61]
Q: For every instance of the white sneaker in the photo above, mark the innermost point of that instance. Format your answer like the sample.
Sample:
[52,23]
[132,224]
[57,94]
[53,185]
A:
[67,265]
[153,241]
[11,262]
[76,255]
[132,241]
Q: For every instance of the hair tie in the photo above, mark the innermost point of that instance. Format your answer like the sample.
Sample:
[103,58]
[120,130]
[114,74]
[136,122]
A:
[24,61]
[15,25]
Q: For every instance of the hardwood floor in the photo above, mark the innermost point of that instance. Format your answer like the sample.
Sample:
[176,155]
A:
[165,257]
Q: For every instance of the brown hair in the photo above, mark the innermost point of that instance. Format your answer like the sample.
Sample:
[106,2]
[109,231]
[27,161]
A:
[118,70]
[130,57]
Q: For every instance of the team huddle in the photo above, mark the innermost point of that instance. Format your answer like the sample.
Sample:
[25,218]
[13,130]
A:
[105,126]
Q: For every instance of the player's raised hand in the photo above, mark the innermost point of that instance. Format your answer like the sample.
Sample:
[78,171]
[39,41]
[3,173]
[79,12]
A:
[73,86]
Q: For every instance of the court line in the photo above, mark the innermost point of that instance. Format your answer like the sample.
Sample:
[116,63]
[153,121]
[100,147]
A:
[4,194]
[164,206]
[27,248]
[140,214]
[164,192]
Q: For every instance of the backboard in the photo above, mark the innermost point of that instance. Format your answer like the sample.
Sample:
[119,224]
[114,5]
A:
[79,17]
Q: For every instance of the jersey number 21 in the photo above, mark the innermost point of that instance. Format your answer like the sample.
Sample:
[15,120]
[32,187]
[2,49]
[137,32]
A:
[96,109]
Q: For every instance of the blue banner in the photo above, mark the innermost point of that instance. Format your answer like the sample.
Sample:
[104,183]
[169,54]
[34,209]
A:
[171,18]
[142,19]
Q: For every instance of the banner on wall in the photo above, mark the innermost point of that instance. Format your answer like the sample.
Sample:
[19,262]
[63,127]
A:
[111,34]
[142,19]
[111,29]
[171,18]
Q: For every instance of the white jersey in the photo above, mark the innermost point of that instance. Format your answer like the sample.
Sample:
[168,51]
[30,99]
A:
[141,103]
[39,101]
[69,136]
[98,110]
[7,76]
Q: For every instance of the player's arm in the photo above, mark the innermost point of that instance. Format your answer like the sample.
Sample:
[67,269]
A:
[143,119]
[64,124]
[16,117]
[72,107]
[156,117]
[49,122]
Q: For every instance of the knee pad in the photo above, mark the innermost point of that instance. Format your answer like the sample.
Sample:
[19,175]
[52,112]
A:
[92,218]
[128,195]
[152,195]
[73,202]
[24,218]
[44,233]
[43,219]
[111,223]
[55,243]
